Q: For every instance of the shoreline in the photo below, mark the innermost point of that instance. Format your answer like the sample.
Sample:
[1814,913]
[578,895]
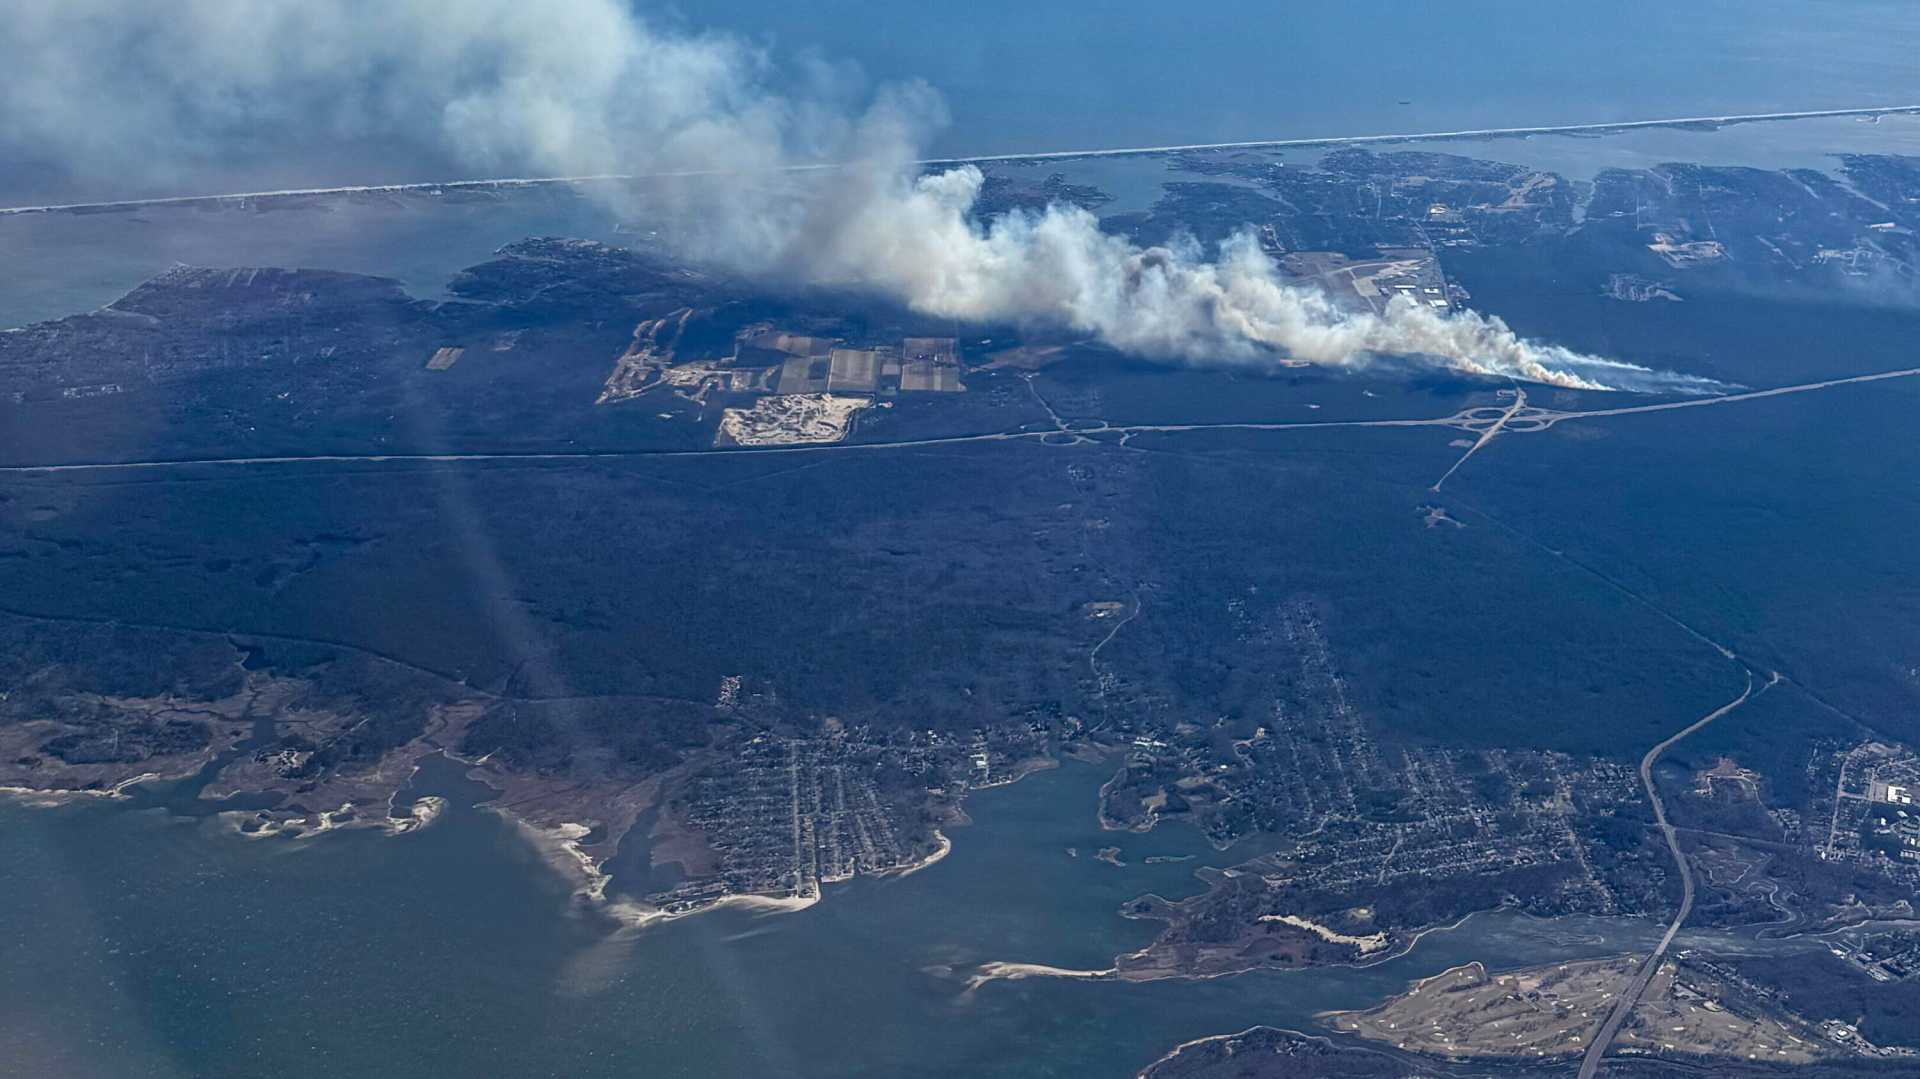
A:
[561,848]
[638,914]
[943,846]
[1197,1042]
[1414,986]
[1038,156]
[1002,970]
[52,797]
[424,811]
[635,915]
[997,971]
[559,845]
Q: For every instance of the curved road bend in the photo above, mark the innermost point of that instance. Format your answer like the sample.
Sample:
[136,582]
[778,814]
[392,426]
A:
[1602,1040]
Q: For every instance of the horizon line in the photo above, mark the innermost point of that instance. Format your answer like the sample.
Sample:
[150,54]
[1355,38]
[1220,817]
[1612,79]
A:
[1045,155]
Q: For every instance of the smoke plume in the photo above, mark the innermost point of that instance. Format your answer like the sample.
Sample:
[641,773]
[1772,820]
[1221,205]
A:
[101,88]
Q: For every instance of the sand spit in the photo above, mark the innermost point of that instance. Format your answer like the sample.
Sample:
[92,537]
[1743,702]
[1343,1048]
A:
[424,811]
[561,847]
[633,914]
[49,797]
[942,847]
[1013,972]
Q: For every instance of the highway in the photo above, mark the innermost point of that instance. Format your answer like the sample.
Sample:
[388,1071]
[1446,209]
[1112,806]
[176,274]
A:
[1597,1049]
[1471,419]
[1548,418]
[1486,436]
[1046,155]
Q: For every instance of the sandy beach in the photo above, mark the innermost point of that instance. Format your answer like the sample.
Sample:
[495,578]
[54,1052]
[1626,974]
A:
[422,812]
[996,971]
[560,846]
[942,847]
[48,797]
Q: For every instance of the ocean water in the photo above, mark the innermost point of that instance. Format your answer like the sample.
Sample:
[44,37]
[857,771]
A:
[141,942]
[70,263]
[1022,77]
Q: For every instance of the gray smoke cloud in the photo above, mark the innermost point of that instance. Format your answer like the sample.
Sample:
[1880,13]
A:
[585,87]
[922,238]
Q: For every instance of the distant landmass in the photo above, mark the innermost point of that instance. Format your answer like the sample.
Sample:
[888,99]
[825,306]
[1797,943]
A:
[764,584]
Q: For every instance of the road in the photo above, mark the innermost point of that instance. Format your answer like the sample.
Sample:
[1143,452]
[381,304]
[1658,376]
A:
[1517,418]
[1486,436]
[1602,1040]
[1093,657]
[1078,438]
[1048,155]
[1548,418]
[1840,795]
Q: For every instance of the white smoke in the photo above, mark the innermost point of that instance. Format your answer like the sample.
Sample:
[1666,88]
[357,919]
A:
[924,241]
[576,87]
